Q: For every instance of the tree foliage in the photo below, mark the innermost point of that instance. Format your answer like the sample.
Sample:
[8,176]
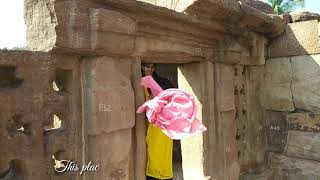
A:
[285,6]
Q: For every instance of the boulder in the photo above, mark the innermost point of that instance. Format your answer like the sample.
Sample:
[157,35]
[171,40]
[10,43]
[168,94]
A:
[304,16]
[260,5]
[300,38]
[286,18]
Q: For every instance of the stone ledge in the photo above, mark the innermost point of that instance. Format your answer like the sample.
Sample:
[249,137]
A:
[285,167]
[304,121]
[304,145]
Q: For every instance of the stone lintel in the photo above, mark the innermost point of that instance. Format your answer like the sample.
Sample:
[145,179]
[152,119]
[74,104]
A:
[231,11]
[110,27]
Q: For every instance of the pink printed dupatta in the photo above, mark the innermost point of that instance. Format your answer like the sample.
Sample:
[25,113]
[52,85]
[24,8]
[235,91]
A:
[172,110]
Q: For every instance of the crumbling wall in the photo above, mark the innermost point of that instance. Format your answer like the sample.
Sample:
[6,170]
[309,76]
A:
[61,107]
[40,120]
[292,102]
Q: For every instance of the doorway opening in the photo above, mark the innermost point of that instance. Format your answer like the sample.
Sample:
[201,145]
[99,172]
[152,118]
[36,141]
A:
[170,72]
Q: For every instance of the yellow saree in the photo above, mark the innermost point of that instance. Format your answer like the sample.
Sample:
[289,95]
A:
[159,151]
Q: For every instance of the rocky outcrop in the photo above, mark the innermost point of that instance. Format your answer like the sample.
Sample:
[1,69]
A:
[304,16]
[260,5]
[301,38]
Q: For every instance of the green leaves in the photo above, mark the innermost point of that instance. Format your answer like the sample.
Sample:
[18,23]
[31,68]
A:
[285,6]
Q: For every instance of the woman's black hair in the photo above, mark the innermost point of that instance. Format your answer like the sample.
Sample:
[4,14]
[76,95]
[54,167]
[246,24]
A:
[142,71]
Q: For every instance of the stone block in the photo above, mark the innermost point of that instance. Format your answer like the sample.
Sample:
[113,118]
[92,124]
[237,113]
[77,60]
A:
[110,95]
[40,33]
[258,21]
[159,49]
[286,18]
[226,81]
[277,130]
[225,126]
[260,5]
[277,87]
[113,153]
[299,39]
[192,150]
[105,20]
[304,145]
[77,27]
[224,10]
[114,110]
[139,131]
[304,16]
[111,32]
[219,10]
[232,171]
[227,56]
[175,5]
[306,82]
[255,53]
[255,138]
[266,175]
[284,167]
[104,71]
[304,121]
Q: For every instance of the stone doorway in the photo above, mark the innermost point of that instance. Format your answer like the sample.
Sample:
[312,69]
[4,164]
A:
[170,72]
[189,157]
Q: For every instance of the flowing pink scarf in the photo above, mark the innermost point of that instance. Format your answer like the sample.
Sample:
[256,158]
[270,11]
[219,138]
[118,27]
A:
[172,110]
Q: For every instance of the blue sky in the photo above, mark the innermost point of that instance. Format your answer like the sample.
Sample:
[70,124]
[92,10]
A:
[13,30]
[310,5]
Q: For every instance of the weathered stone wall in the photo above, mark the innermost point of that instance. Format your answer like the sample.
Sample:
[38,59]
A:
[40,96]
[73,108]
[292,100]
[220,43]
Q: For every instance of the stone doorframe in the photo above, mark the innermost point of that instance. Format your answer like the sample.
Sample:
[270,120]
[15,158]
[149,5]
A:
[212,153]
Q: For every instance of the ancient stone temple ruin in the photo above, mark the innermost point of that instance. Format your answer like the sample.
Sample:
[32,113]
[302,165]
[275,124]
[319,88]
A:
[73,95]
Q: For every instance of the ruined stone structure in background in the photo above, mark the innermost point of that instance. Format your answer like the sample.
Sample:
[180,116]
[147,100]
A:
[76,99]
[292,100]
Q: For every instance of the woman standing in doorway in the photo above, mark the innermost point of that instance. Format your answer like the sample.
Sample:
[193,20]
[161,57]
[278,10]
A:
[159,145]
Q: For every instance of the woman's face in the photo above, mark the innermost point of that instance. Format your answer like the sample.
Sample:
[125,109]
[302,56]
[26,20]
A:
[148,69]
